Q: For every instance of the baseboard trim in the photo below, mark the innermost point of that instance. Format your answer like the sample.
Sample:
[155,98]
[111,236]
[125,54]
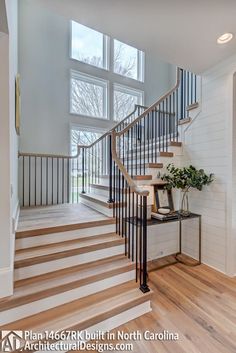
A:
[6,280]
[16,216]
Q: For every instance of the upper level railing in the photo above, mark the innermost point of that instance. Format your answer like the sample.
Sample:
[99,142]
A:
[49,179]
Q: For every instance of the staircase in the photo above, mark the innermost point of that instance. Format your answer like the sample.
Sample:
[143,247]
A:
[72,277]
[89,276]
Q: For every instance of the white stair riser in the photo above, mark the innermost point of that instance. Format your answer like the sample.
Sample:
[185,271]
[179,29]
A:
[117,320]
[63,236]
[94,205]
[41,305]
[46,267]
[100,192]
[122,318]
[176,150]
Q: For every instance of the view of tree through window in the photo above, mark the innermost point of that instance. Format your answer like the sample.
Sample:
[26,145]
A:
[87,45]
[125,100]
[125,60]
[90,95]
[82,137]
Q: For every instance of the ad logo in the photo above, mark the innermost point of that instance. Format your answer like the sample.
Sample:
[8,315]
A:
[11,341]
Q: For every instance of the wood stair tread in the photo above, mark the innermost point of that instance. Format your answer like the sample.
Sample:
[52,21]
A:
[84,312]
[67,244]
[101,200]
[184,121]
[155,155]
[25,258]
[192,106]
[142,177]
[147,165]
[39,287]
[63,228]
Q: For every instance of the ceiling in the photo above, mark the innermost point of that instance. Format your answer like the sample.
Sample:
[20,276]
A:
[182,32]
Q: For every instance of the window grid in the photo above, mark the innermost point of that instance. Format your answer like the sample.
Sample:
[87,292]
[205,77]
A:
[108,95]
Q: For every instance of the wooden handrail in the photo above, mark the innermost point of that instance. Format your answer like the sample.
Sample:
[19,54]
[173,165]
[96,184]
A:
[45,155]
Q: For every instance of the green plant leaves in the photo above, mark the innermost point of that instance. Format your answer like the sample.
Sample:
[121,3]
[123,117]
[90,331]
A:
[186,178]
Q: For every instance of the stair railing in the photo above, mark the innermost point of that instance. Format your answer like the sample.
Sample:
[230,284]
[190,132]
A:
[134,148]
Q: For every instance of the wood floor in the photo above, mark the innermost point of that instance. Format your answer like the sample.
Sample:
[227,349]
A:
[48,216]
[197,303]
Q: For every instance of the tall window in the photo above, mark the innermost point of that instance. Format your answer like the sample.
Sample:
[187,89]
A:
[88,95]
[88,45]
[128,61]
[125,99]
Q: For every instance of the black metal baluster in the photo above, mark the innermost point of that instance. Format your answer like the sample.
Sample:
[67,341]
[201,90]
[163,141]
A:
[182,95]
[129,221]
[137,232]
[35,181]
[166,124]
[23,177]
[133,225]
[187,88]
[144,287]
[41,188]
[144,146]
[47,181]
[140,240]
[52,183]
[63,176]
[83,171]
[162,124]
[110,199]
[57,181]
[68,180]
[119,220]
[77,179]
[140,148]
[29,181]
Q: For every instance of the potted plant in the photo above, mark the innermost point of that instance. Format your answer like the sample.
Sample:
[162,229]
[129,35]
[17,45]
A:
[184,179]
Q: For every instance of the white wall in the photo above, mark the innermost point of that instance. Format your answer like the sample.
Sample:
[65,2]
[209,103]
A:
[208,144]
[44,66]
[8,151]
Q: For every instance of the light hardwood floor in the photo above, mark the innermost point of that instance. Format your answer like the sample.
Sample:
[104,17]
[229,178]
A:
[198,303]
[48,216]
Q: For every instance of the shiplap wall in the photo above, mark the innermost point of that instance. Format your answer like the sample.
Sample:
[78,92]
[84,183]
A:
[208,145]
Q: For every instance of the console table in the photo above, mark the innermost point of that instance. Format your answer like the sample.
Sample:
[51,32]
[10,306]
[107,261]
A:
[180,219]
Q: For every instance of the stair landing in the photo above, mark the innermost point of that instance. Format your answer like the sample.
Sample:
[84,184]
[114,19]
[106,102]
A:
[46,217]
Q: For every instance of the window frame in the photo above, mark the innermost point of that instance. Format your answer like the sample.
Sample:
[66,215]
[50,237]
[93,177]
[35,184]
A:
[105,52]
[75,74]
[140,63]
[128,90]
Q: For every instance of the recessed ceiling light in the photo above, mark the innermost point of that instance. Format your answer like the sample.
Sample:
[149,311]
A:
[225,38]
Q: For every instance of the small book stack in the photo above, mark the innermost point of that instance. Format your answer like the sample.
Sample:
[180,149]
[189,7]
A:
[165,217]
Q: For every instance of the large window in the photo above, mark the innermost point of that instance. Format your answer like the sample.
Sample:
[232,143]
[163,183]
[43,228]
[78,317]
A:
[125,99]
[88,95]
[88,45]
[128,61]
[94,96]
